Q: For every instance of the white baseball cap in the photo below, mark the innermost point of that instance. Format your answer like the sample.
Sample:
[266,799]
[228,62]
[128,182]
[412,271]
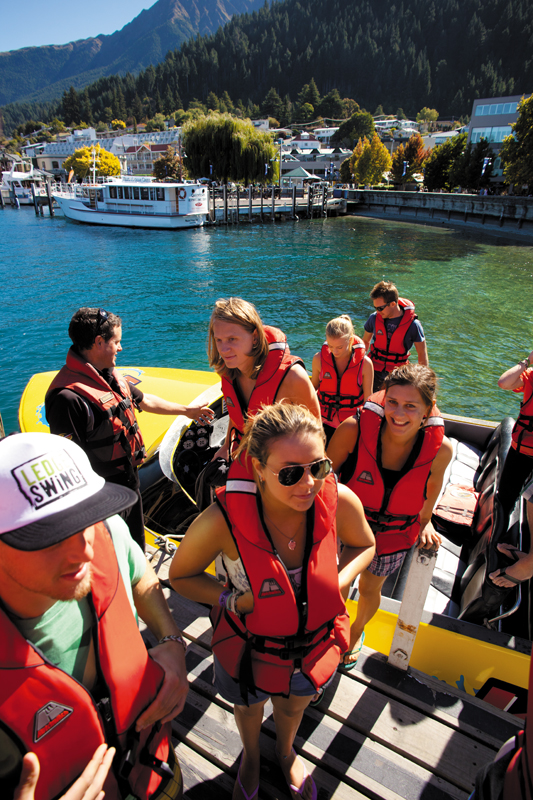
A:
[49,491]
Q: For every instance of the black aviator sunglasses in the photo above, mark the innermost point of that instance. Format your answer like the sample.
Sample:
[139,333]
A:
[289,476]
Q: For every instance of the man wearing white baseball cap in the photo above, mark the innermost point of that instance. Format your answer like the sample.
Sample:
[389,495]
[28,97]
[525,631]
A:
[75,674]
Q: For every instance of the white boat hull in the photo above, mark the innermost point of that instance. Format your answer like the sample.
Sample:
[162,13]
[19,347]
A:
[79,212]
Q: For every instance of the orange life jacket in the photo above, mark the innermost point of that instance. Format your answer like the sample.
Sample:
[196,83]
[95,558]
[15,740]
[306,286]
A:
[522,437]
[262,649]
[392,515]
[56,717]
[340,395]
[116,444]
[271,375]
[387,355]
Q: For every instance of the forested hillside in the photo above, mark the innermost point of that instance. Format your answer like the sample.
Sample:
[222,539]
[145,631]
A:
[43,73]
[413,54]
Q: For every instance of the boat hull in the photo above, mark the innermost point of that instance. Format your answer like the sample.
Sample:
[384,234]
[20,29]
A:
[79,212]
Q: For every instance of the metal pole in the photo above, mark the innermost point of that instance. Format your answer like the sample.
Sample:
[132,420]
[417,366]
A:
[273,203]
[50,199]
[36,207]
[294,203]
[225,201]
[250,203]
[262,192]
[238,197]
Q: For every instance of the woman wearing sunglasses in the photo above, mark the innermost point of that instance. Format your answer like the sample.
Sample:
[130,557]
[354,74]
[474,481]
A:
[255,366]
[280,624]
[393,455]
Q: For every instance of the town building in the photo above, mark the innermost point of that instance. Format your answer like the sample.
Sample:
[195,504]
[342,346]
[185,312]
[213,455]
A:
[491,119]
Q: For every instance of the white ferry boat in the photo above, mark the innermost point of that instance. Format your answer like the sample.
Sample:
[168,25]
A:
[135,202]
[16,184]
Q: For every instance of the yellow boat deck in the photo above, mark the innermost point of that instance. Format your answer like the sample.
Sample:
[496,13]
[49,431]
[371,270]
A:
[379,732]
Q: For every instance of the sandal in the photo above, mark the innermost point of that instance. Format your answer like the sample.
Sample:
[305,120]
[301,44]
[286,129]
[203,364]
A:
[355,652]
[300,791]
[243,790]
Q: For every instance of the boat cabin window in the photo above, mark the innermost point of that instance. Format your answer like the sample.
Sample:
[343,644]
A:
[127,193]
[160,193]
[144,193]
[135,192]
[120,193]
[100,195]
[113,192]
[152,194]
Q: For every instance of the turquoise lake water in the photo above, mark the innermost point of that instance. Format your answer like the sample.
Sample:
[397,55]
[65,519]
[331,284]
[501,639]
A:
[472,295]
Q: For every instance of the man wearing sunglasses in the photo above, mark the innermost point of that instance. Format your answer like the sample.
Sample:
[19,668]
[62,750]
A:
[391,331]
[90,403]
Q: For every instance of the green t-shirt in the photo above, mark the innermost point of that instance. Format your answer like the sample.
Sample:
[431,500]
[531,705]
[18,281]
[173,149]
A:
[63,633]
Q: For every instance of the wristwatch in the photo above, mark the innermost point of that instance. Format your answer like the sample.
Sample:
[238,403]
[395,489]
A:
[174,638]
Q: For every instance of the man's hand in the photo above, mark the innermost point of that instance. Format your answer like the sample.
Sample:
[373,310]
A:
[87,787]
[428,536]
[201,414]
[171,697]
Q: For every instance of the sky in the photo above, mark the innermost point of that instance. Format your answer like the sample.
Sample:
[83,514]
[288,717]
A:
[62,21]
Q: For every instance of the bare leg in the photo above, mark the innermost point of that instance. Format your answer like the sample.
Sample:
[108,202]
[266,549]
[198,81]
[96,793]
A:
[248,719]
[367,605]
[288,713]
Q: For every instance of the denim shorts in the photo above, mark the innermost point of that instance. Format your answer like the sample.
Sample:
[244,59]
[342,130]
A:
[229,689]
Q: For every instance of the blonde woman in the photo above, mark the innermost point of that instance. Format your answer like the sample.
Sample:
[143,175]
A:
[342,374]
[280,623]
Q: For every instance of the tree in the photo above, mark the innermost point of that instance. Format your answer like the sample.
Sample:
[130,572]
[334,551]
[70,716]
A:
[157,123]
[359,125]
[82,162]
[345,171]
[168,167]
[232,147]
[71,106]
[272,105]
[331,105]
[400,114]
[428,116]
[408,159]
[439,163]
[517,150]
[118,124]
[350,107]
[473,168]
[370,160]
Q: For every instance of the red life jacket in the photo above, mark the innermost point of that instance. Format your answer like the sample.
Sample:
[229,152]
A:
[116,444]
[283,632]
[339,396]
[54,716]
[387,355]
[392,515]
[522,437]
[278,362]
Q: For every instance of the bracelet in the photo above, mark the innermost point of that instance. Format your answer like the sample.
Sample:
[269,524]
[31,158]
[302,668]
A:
[526,362]
[174,638]
[223,599]
[231,602]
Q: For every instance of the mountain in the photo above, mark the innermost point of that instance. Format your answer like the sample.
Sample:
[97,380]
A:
[43,73]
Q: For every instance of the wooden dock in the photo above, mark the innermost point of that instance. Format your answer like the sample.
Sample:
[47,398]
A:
[380,732]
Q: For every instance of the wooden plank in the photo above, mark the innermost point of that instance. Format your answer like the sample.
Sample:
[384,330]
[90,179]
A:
[202,779]
[414,597]
[436,699]
[436,747]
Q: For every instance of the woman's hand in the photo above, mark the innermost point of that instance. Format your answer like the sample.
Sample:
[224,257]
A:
[428,536]
[245,603]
